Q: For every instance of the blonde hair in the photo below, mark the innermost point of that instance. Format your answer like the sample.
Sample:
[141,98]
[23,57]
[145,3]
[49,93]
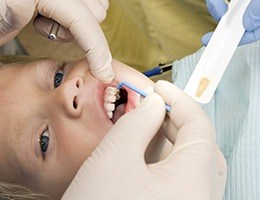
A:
[15,192]
[7,59]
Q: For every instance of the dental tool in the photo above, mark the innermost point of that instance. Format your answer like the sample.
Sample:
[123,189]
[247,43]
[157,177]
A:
[214,60]
[137,90]
[160,69]
[54,31]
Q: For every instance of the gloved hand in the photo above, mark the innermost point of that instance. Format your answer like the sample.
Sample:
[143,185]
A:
[77,17]
[251,20]
[195,168]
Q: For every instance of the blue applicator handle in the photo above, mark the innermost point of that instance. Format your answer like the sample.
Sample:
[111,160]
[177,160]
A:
[160,69]
[153,72]
[137,90]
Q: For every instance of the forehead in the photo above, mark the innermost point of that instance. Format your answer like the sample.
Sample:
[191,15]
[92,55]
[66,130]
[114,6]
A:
[11,75]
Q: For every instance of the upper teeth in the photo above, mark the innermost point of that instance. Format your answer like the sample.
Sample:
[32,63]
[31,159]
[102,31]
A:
[111,95]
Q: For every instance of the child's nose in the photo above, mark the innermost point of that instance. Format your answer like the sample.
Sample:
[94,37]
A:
[68,93]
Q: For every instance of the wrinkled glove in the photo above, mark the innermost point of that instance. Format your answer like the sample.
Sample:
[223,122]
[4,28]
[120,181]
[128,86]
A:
[195,168]
[79,20]
[251,20]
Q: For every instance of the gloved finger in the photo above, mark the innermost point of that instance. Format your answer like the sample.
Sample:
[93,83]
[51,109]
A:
[105,4]
[217,8]
[134,130]
[97,8]
[251,19]
[87,32]
[222,165]
[7,37]
[189,118]
[13,15]
[12,20]
[250,36]
[169,129]
[43,26]
[206,38]
[222,171]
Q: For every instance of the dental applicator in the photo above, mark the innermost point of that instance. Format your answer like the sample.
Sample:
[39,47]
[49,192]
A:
[137,90]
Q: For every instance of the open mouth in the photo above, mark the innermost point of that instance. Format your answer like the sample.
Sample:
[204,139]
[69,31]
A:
[120,105]
[115,103]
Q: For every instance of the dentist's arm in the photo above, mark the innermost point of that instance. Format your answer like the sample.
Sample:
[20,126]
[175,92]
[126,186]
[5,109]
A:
[251,20]
[195,168]
[79,19]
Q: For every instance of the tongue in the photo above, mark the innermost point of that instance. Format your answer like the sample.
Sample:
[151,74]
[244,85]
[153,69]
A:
[119,111]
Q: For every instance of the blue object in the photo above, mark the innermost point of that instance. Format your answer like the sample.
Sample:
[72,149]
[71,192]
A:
[135,89]
[217,8]
[251,20]
[158,69]
[153,72]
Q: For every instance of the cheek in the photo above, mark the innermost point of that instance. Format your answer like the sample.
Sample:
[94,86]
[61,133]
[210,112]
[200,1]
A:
[95,123]
[71,150]
[76,141]
[73,144]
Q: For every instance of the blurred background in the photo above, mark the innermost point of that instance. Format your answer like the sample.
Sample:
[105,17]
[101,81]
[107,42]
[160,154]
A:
[140,33]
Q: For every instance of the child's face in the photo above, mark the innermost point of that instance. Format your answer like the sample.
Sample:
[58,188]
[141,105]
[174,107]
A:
[47,129]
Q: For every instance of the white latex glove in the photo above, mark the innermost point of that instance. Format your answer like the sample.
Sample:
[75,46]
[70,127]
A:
[195,169]
[79,20]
